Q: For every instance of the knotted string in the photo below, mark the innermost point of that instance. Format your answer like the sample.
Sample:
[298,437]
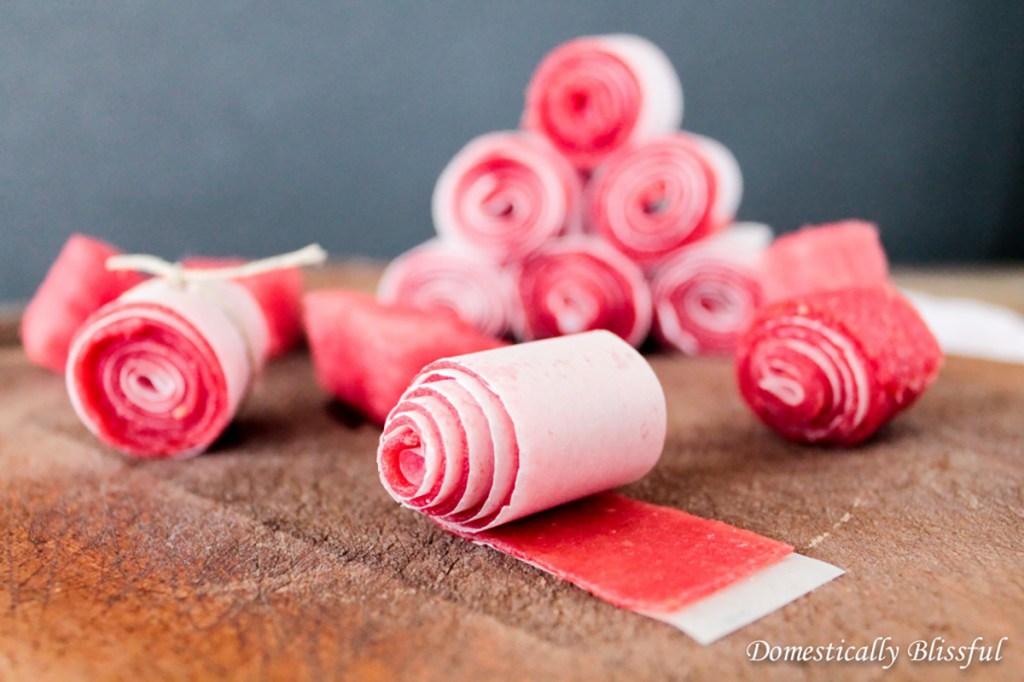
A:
[182,276]
[158,267]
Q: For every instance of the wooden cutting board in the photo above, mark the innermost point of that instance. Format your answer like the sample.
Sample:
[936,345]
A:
[279,555]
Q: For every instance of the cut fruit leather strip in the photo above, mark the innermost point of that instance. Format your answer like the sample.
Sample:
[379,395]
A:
[653,199]
[516,449]
[77,285]
[440,276]
[636,555]
[707,294]
[578,284]
[161,371]
[279,294]
[366,352]
[505,194]
[824,258]
[594,95]
[833,367]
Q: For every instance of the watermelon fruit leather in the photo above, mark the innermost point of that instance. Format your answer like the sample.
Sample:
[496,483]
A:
[366,352]
[833,367]
[77,285]
[279,294]
[824,258]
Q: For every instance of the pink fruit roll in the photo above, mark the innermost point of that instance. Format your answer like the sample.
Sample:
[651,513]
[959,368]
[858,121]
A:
[593,96]
[504,195]
[486,438]
[437,275]
[653,199]
[833,367]
[578,284]
[161,371]
[706,295]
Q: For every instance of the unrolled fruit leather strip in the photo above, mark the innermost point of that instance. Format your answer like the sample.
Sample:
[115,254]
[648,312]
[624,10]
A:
[595,95]
[824,258]
[161,371]
[279,295]
[486,439]
[437,275]
[831,368]
[77,285]
[655,198]
[706,295]
[577,284]
[505,194]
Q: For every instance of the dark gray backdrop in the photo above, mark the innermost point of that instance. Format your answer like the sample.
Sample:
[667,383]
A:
[205,126]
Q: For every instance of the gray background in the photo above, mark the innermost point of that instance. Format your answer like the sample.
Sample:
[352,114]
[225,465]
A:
[219,127]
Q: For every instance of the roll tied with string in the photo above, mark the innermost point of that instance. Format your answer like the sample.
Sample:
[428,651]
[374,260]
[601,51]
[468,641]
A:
[161,371]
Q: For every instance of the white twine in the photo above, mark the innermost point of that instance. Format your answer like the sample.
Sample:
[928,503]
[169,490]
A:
[158,267]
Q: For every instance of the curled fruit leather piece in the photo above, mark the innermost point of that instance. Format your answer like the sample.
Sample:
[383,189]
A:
[579,284]
[161,371]
[595,95]
[655,198]
[366,352]
[279,295]
[440,276]
[832,367]
[516,448]
[706,295]
[505,194]
[77,285]
[824,257]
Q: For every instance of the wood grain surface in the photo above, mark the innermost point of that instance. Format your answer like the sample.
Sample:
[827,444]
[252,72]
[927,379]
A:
[279,556]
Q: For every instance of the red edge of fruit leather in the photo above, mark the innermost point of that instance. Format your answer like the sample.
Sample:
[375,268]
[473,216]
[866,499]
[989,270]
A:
[279,295]
[633,554]
[366,353]
[76,286]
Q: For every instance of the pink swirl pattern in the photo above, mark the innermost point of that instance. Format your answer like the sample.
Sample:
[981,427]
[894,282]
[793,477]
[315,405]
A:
[505,194]
[161,371]
[595,95]
[486,438]
[578,284]
[707,294]
[439,276]
[653,199]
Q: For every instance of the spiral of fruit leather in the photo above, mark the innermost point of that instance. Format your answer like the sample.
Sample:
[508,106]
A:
[505,194]
[655,198]
[833,367]
[439,276]
[595,95]
[706,295]
[579,284]
[161,371]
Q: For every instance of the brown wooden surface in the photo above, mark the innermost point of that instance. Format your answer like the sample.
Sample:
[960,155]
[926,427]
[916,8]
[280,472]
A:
[279,555]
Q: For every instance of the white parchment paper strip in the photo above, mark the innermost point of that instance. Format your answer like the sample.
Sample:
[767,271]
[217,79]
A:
[751,599]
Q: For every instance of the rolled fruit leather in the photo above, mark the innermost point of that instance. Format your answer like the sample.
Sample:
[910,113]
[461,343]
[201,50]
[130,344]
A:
[162,371]
[593,96]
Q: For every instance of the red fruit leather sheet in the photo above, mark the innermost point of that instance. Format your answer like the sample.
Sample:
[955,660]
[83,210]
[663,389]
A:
[636,555]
